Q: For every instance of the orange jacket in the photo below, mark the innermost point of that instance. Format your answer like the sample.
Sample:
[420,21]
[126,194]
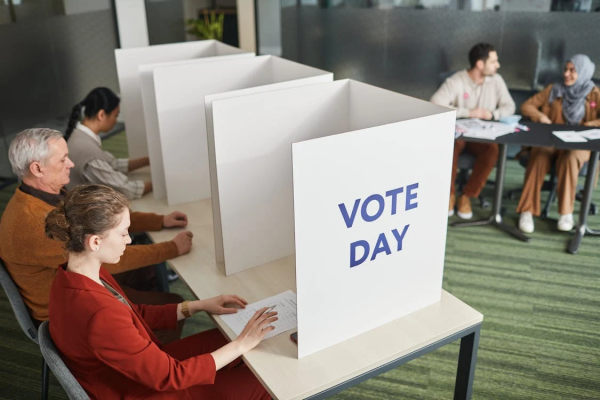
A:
[537,106]
[32,259]
[110,348]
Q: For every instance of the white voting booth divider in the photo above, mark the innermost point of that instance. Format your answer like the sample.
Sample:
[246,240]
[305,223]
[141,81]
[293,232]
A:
[180,102]
[282,69]
[335,173]
[128,61]
[146,72]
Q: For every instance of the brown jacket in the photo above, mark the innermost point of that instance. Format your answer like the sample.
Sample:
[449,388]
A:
[537,106]
[32,259]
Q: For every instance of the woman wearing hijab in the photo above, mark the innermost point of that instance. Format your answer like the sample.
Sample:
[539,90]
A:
[576,101]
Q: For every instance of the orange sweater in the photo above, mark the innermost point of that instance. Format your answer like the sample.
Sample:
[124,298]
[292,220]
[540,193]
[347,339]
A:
[537,106]
[32,259]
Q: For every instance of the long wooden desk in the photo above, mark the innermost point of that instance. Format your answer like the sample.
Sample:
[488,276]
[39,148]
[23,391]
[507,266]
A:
[329,371]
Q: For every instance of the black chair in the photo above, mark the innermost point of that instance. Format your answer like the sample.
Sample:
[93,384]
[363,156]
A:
[58,367]
[23,318]
[550,186]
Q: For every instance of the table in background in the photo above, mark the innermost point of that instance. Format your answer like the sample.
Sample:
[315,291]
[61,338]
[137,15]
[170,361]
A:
[540,135]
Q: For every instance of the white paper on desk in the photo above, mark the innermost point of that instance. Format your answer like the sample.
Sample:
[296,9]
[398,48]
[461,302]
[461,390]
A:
[592,134]
[285,305]
[479,129]
[480,134]
[569,136]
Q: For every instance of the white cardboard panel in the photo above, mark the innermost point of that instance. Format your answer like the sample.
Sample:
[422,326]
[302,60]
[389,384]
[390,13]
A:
[151,117]
[289,74]
[180,92]
[128,61]
[390,283]
[253,157]
[365,142]
[254,165]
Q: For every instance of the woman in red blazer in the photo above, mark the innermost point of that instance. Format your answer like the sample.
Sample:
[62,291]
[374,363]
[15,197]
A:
[107,341]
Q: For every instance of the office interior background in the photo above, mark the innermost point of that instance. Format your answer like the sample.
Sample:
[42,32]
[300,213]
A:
[53,52]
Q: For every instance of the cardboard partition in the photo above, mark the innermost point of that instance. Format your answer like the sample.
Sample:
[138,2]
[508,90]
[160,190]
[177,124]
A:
[180,103]
[128,61]
[352,178]
[146,74]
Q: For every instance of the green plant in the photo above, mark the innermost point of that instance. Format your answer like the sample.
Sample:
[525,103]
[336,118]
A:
[209,27]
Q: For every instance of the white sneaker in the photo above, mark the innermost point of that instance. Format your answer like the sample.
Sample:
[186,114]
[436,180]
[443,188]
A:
[565,222]
[526,222]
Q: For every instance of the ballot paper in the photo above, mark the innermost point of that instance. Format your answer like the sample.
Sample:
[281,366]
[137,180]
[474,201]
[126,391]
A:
[479,129]
[569,136]
[592,134]
[285,305]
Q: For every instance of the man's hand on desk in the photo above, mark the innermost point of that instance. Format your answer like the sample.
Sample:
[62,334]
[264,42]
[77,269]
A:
[183,241]
[175,220]
[216,305]
[545,120]
[481,114]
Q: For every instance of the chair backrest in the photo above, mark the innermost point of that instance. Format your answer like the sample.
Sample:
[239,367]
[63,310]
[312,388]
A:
[58,367]
[16,302]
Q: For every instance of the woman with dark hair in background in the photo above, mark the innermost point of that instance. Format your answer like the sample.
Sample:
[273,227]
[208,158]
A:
[106,341]
[575,101]
[100,110]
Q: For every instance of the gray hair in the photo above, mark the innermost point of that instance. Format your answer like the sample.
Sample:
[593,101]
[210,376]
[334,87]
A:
[29,146]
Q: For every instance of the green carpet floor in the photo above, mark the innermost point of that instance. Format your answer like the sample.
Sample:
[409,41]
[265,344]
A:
[541,329]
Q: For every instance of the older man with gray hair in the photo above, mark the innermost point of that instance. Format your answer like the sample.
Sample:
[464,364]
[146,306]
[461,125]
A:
[40,159]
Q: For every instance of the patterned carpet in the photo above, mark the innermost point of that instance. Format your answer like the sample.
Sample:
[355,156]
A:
[540,336]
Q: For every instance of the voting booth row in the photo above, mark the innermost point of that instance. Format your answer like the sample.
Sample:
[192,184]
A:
[296,163]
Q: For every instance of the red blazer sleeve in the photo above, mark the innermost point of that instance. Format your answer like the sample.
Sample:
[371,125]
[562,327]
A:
[116,341]
[158,316]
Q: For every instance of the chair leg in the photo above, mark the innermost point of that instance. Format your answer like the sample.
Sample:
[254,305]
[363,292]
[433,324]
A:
[552,185]
[549,202]
[462,178]
[45,380]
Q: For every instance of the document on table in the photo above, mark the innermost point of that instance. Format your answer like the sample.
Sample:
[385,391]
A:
[477,128]
[592,134]
[285,305]
[569,136]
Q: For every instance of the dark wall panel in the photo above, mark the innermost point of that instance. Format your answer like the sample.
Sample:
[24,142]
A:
[407,50]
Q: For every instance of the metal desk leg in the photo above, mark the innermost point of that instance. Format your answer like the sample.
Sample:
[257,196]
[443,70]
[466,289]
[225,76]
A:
[582,227]
[467,358]
[496,217]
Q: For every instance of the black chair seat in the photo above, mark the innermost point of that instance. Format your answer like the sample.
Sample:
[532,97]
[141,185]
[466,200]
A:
[466,161]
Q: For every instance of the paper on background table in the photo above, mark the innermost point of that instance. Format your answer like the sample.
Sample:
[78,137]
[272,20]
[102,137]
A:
[477,128]
[285,306]
[592,134]
[569,136]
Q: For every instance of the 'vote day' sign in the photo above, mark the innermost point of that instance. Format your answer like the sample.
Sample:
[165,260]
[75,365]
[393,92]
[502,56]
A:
[370,226]
[388,202]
